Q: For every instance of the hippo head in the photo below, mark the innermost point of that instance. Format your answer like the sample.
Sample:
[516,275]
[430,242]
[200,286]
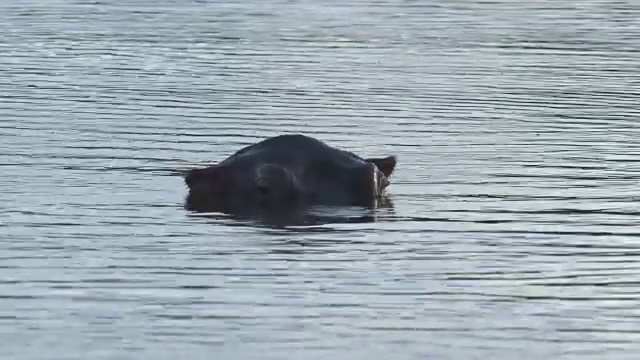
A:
[230,186]
[286,171]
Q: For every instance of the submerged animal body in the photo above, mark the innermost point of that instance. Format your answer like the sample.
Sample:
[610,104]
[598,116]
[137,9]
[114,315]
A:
[288,171]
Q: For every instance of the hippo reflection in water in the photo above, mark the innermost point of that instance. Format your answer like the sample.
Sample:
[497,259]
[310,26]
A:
[289,171]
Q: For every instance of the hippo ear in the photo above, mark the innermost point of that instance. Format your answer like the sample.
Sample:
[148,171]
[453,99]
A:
[386,165]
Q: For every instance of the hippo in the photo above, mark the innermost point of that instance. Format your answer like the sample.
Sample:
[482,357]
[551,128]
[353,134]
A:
[289,171]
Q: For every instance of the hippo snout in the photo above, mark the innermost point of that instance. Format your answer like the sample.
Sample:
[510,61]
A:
[195,179]
[212,179]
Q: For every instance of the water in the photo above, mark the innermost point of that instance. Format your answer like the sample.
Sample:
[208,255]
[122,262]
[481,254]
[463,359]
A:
[514,232]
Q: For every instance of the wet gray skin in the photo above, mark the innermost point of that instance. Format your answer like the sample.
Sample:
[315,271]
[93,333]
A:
[290,170]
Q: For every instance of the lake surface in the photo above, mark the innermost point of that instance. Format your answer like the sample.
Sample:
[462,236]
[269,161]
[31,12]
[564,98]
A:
[515,227]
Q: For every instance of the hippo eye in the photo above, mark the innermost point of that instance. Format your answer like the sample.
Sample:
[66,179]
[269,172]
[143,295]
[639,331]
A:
[262,188]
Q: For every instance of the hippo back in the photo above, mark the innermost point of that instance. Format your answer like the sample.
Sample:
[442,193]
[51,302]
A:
[293,150]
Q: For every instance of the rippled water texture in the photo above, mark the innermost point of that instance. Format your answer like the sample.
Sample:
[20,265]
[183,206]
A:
[514,232]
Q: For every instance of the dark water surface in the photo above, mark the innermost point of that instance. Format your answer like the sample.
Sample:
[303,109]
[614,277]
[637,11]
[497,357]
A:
[515,232]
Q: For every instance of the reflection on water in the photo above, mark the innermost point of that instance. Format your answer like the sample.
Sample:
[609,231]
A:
[513,231]
[296,216]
